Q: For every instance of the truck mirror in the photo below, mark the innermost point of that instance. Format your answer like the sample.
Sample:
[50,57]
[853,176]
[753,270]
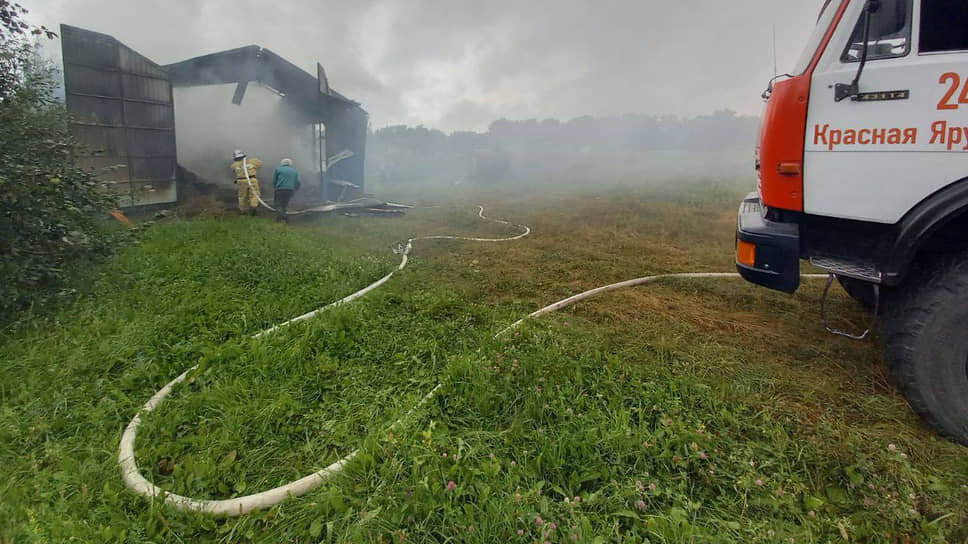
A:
[843,91]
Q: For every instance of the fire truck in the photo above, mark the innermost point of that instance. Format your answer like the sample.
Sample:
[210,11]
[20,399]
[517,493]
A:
[862,170]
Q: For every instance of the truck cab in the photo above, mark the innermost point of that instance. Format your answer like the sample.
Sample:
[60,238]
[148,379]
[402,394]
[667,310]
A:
[862,169]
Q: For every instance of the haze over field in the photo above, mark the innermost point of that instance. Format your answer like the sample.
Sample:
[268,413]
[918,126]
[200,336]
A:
[459,65]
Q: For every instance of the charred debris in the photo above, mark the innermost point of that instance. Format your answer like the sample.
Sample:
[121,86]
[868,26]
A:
[162,135]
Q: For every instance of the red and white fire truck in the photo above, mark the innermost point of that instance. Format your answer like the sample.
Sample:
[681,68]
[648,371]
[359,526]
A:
[862,168]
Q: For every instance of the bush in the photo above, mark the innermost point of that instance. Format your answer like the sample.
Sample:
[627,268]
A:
[51,210]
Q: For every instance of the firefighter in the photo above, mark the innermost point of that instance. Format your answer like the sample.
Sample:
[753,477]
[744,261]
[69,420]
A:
[286,183]
[248,193]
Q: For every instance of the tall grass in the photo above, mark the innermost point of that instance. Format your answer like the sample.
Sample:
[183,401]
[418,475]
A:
[711,412]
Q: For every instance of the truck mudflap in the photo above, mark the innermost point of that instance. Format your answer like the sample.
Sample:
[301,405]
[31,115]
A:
[767,252]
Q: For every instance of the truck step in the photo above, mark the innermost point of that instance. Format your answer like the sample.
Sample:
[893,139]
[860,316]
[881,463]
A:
[859,270]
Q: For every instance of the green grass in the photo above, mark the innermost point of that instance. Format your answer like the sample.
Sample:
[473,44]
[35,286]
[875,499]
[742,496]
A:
[688,411]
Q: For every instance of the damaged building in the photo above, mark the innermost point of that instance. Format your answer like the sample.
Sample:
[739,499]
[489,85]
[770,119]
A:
[159,133]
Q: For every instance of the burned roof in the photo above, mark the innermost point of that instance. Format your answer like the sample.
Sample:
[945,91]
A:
[310,95]
[123,108]
[346,122]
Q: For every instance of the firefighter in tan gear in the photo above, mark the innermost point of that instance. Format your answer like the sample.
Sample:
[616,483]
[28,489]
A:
[248,194]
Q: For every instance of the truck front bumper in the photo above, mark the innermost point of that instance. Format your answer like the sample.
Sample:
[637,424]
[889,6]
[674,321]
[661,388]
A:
[767,252]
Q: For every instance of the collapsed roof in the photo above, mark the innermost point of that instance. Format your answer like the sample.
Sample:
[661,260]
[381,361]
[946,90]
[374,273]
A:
[107,85]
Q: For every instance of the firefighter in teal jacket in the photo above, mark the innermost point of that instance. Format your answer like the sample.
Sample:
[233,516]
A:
[286,183]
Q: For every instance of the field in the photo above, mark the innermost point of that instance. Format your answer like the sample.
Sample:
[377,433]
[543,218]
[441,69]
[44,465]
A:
[684,411]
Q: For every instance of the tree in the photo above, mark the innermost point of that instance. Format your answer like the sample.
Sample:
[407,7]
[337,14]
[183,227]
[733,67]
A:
[51,210]
[14,54]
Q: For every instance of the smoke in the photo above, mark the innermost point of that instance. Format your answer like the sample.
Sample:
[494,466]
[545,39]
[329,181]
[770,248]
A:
[460,64]
[210,128]
[585,151]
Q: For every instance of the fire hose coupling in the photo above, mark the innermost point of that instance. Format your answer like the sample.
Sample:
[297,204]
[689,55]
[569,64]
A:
[403,249]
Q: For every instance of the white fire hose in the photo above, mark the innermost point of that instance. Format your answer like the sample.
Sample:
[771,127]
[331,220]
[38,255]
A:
[258,195]
[242,505]
[341,156]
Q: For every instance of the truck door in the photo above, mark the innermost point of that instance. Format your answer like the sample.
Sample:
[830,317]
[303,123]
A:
[873,156]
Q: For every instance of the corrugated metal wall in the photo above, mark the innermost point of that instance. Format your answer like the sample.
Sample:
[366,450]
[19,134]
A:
[123,111]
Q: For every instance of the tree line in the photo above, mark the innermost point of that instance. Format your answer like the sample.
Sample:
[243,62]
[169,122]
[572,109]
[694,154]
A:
[514,148]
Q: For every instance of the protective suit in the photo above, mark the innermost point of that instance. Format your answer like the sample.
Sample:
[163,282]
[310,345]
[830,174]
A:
[248,196]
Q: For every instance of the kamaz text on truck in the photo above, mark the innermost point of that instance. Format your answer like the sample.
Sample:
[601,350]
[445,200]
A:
[862,169]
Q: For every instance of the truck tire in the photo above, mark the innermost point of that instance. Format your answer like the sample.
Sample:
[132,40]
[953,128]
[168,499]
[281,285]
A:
[926,332]
[861,291]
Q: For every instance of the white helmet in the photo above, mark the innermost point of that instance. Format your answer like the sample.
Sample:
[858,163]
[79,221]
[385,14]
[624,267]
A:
[287,162]
[238,154]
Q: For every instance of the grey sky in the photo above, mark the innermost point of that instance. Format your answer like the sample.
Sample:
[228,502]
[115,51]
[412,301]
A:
[459,64]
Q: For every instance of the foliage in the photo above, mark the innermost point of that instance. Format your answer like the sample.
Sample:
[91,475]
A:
[49,206]
[13,59]
[549,147]
[685,412]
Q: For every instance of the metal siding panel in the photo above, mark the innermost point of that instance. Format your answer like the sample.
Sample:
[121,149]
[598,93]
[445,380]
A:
[106,168]
[122,190]
[144,88]
[155,169]
[140,114]
[106,141]
[150,143]
[91,81]
[128,123]
[88,48]
[147,194]
[132,62]
[98,111]
[346,130]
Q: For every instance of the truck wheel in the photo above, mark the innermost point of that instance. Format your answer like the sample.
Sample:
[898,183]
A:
[861,291]
[927,345]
